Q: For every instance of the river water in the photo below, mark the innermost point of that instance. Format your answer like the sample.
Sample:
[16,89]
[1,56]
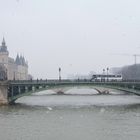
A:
[81,114]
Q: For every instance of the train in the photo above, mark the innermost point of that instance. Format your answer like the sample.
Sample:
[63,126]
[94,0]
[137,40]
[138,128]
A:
[106,77]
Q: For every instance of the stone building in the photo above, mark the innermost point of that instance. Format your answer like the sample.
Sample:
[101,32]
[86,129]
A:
[16,69]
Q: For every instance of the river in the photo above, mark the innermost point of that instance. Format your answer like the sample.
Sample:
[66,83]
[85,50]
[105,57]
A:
[81,114]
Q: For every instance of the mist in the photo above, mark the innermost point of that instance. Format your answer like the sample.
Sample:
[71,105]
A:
[78,35]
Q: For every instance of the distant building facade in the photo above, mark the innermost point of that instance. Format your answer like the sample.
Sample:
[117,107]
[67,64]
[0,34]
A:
[15,69]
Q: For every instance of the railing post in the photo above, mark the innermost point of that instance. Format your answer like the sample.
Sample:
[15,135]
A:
[33,88]
[12,92]
[26,89]
[19,90]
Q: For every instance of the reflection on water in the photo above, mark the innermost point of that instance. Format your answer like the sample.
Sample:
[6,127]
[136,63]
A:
[78,115]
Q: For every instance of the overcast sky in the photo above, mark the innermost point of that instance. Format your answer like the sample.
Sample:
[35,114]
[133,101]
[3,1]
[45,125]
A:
[77,35]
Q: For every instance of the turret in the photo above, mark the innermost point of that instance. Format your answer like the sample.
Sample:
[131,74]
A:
[3,47]
[17,61]
[4,54]
[20,60]
[3,42]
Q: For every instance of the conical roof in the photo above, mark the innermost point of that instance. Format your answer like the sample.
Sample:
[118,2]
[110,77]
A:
[17,60]
[3,46]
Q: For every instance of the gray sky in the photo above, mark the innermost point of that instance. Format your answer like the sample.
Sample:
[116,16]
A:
[77,35]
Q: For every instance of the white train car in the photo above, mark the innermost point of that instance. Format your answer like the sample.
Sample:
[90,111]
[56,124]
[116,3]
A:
[106,77]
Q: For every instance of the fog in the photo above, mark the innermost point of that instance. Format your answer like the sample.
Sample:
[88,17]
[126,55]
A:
[77,35]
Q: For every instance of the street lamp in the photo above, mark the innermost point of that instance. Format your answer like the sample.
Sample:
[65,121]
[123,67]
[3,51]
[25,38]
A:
[14,76]
[107,73]
[103,78]
[59,74]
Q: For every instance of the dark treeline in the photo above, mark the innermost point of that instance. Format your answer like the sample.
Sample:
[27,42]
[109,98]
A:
[128,72]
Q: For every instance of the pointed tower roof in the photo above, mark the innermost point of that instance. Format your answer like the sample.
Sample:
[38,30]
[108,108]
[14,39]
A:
[17,60]
[3,42]
[3,46]
[23,60]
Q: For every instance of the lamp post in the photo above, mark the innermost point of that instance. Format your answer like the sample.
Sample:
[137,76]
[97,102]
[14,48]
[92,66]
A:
[107,73]
[103,75]
[59,74]
[14,77]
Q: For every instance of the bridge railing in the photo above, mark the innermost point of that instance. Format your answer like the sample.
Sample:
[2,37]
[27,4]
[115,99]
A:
[71,81]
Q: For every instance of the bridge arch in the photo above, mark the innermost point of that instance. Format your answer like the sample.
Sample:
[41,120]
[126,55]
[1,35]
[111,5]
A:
[63,90]
[20,89]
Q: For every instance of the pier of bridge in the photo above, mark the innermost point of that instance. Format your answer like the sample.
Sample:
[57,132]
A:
[4,93]
[12,90]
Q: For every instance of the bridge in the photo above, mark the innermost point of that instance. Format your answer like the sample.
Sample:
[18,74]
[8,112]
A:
[10,91]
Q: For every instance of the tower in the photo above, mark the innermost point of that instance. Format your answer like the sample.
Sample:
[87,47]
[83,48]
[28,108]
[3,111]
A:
[4,54]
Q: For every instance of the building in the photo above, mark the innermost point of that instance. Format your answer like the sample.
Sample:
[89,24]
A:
[16,69]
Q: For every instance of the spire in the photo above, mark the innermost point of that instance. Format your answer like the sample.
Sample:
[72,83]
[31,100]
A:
[17,60]
[21,60]
[3,42]
[3,47]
